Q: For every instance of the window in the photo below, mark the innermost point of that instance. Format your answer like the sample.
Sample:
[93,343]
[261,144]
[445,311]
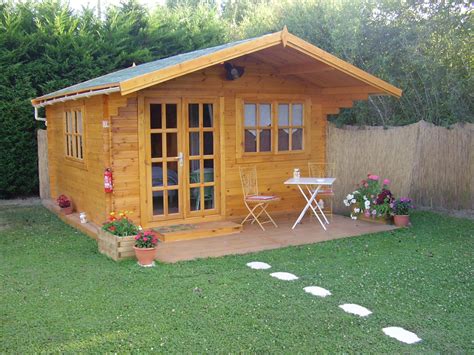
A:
[74,137]
[273,127]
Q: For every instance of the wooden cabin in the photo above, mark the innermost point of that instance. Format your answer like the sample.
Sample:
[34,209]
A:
[175,131]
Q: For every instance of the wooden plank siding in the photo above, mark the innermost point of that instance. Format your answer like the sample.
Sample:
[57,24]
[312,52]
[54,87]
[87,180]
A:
[82,182]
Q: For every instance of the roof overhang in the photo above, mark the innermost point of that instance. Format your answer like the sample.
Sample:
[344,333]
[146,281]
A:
[283,38]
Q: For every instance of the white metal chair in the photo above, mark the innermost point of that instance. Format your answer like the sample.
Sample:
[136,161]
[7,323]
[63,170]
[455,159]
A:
[256,204]
[324,170]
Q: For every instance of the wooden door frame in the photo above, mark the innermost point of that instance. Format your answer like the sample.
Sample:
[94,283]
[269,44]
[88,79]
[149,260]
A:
[147,219]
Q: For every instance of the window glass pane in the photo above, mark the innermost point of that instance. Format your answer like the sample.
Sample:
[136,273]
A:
[76,142]
[81,155]
[74,115]
[283,115]
[195,198]
[250,140]
[283,139]
[68,151]
[171,144]
[156,174]
[71,144]
[208,197]
[68,129]
[194,171]
[208,143]
[265,115]
[208,113]
[297,139]
[265,140]
[173,201]
[156,145]
[79,122]
[155,116]
[297,112]
[157,202]
[208,170]
[193,115]
[250,114]
[171,115]
[193,143]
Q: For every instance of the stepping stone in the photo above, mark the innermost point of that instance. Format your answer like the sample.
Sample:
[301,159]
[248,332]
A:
[258,265]
[402,335]
[284,276]
[317,291]
[355,309]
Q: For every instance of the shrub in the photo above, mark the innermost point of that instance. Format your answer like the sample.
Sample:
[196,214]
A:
[120,225]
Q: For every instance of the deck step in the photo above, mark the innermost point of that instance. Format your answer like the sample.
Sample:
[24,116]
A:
[197,231]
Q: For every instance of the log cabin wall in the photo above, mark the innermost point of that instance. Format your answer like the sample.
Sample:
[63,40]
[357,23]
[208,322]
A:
[259,81]
[81,181]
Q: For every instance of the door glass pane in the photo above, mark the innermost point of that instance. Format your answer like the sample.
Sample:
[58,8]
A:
[157,202]
[193,143]
[209,197]
[250,115]
[194,171]
[283,139]
[193,115]
[172,173]
[171,144]
[68,129]
[155,116]
[250,140]
[207,117]
[81,155]
[297,112]
[208,143]
[171,115]
[265,115]
[173,201]
[283,115]
[156,174]
[194,198]
[297,139]
[208,170]
[74,113]
[156,145]
[265,140]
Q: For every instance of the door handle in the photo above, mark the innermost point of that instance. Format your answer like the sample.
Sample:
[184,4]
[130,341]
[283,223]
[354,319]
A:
[180,158]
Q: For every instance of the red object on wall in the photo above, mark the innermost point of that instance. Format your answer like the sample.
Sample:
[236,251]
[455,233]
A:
[108,185]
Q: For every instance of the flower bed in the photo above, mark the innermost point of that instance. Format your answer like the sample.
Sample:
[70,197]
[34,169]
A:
[117,236]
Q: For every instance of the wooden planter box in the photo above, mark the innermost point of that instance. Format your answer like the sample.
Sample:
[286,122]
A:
[381,220]
[117,248]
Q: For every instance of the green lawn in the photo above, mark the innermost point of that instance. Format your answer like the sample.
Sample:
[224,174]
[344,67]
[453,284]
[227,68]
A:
[59,294]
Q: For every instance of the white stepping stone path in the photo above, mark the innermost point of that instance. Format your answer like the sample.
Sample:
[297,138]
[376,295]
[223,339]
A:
[317,291]
[401,334]
[286,276]
[258,265]
[355,309]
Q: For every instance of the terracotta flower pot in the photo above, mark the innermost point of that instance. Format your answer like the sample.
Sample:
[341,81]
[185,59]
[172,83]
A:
[145,256]
[66,210]
[401,220]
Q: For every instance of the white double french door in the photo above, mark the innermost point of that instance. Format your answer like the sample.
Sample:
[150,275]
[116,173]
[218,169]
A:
[182,158]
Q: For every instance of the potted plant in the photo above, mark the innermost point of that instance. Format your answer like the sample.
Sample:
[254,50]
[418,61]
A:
[372,200]
[401,209]
[65,204]
[145,247]
[116,238]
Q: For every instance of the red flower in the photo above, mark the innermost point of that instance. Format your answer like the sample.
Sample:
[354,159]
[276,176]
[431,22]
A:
[112,228]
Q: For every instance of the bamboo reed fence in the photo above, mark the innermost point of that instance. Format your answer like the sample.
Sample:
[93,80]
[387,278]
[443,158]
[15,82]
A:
[432,165]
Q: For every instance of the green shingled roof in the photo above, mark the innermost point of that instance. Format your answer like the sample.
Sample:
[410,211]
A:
[116,77]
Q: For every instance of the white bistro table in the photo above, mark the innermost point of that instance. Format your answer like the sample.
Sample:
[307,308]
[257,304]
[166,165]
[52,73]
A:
[312,187]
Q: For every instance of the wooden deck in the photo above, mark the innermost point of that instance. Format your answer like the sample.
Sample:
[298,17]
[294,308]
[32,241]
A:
[253,239]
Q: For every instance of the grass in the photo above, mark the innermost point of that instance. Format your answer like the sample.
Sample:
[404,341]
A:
[59,294]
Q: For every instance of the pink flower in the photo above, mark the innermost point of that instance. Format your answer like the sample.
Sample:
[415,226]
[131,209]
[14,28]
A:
[386,182]
[367,213]
[145,239]
[374,212]
[373,177]
[137,237]
[154,240]
[366,185]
